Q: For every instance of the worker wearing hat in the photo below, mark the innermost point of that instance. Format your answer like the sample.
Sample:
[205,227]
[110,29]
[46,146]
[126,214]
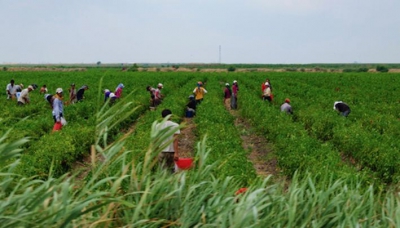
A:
[118,90]
[23,98]
[235,89]
[81,92]
[191,107]
[227,95]
[267,93]
[157,94]
[286,107]
[342,108]
[58,109]
[199,92]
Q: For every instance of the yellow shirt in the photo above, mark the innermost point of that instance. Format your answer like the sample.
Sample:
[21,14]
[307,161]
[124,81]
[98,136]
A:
[199,92]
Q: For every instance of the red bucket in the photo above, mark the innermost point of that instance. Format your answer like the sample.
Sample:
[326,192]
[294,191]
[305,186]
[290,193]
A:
[240,191]
[57,126]
[184,163]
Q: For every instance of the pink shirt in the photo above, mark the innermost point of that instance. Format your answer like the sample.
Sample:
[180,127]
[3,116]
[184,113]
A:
[118,92]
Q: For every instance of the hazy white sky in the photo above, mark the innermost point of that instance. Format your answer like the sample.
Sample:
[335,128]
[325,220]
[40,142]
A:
[191,31]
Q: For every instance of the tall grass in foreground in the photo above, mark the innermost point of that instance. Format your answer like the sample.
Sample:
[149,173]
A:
[140,195]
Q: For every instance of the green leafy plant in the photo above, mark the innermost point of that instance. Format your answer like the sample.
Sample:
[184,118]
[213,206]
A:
[382,69]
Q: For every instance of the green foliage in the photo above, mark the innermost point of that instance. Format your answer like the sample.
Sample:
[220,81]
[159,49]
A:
[361,69]
[231,69]
[382,69]
[332,162]
[118,193]
[133,68]
[5,68]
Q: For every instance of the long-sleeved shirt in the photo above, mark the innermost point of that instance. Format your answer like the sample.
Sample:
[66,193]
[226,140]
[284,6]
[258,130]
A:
[24,97]
[199,92]
[235,89]
[58,109]
[286,108]
[118,92]
[341,107]
[157,94]
[267,92]
[227,93]
[80,93]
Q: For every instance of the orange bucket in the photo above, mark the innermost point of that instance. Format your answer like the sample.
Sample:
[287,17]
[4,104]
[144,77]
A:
[184,163]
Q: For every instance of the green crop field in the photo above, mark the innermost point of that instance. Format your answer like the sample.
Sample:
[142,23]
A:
[339,171]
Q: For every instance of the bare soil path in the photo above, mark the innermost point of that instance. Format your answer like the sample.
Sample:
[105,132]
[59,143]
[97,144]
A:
[187,138]
[261,153]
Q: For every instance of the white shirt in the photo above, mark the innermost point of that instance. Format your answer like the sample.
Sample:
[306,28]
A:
[173,127]
[12,89]
[267,91]
[285,107]
[24,96]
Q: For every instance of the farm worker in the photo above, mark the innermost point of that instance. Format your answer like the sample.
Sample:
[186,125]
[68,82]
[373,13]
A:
[112,98]
[263,86]
[171,153]
[235,89]
[191,107]
[11,90]
[157,95]
[227,95]
[19,87]
[152,96]
[342,108]
[58,109]
[49,98]
[24,96]
[286,107]
[34,86]
[81,92]
[118,90]
[157,92]
[267,93]
[106,94]
[72,94]
[199,92]
[43,89]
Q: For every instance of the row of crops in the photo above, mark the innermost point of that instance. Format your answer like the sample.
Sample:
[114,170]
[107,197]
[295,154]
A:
[342,155]
[315,138]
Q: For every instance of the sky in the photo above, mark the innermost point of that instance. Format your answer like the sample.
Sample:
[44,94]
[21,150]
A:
[200,31]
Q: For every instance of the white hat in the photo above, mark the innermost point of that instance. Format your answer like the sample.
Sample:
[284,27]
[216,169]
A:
[267,84]
[59,90]
[234,81]
[334,104]
[106,90]
[112,95]
[226,84]
[160,85]
[30,87]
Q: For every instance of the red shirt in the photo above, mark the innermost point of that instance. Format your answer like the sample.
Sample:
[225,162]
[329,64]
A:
[227,93]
